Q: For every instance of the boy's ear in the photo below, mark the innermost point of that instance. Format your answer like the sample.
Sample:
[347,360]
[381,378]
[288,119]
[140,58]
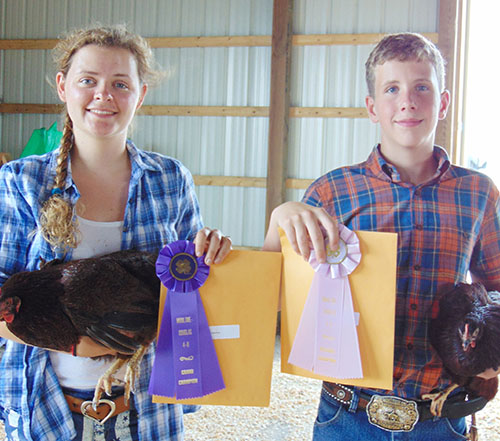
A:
[444,104]
[370,107]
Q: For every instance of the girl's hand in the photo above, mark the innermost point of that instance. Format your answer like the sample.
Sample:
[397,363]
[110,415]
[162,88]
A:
[213,243]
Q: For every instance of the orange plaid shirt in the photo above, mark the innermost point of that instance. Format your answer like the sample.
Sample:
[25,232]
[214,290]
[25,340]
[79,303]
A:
[446,227]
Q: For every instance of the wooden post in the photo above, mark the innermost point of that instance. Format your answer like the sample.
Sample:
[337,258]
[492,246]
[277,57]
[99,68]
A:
[279,105]
[450,43]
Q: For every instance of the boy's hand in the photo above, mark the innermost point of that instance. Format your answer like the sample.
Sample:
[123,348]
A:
[213,243]
[305,227]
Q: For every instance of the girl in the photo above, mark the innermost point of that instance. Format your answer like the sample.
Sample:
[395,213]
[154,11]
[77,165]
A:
[96,194]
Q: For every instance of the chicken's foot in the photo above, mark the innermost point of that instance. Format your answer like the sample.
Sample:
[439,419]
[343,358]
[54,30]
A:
[133,370]
[473,435]
[438,399]
[107,380]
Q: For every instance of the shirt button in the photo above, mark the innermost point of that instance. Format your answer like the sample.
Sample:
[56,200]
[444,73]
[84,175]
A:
[413,306]
[419,227]
[417,267]
[409,346]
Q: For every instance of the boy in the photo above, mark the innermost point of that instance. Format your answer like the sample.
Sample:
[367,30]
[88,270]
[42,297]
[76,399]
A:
[447,219]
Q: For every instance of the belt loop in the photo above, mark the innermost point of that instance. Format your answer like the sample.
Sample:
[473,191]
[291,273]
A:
[353,407]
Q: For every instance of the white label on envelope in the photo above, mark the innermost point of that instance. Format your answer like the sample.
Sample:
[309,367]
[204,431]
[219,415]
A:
[225,332]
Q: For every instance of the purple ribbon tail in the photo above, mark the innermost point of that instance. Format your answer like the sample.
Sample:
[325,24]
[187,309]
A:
[211,375]
[186,364]
[161,383]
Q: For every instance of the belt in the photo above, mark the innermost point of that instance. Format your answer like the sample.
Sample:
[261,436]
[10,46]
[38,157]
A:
[397,414]
[106,409]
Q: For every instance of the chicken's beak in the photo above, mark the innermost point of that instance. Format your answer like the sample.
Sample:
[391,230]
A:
[468,341]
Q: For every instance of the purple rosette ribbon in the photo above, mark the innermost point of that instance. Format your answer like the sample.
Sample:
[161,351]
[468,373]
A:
[186,364]
[326,341]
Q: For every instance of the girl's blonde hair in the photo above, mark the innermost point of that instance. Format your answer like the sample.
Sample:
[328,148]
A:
[57,217]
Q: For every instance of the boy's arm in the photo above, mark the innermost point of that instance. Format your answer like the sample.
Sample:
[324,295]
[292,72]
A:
[305,227]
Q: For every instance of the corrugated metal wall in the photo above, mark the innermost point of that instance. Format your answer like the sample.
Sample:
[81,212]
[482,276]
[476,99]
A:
[333,76]
[236,76]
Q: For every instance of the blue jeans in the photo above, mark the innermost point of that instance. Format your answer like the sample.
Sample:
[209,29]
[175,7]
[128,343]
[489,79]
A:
[335,422]
[122,427]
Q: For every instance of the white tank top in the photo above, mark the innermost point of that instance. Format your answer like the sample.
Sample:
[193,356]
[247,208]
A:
[97,238]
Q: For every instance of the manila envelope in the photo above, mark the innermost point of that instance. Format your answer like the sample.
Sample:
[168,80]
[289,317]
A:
[241,297]
[373,287]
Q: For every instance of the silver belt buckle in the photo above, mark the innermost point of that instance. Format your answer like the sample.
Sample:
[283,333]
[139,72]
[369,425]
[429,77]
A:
[392,413]
[112,407]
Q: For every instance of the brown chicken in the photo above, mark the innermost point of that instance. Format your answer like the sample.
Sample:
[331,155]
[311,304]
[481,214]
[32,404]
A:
[113,299]
[466,335]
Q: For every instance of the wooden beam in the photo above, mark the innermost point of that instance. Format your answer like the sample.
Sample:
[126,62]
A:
[30,108]
[229,181]
[245,181]
[222,41]
[204,111]
[148,110]
[345,39]
[328,112]
[298,184]
[155,42]
[238,111]
[27,44]
[279,109]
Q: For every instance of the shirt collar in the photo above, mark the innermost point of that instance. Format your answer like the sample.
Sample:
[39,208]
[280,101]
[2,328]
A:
[140,159]
[382,169]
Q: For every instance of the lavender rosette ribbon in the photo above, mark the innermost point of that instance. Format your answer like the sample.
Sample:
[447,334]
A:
[326,341]
[186,364]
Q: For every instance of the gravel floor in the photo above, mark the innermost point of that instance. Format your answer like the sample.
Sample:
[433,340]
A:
[289,417]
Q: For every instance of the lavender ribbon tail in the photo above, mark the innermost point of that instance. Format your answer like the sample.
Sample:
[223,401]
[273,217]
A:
[326,341]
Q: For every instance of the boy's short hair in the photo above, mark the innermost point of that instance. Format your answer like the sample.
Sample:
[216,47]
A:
[402,47]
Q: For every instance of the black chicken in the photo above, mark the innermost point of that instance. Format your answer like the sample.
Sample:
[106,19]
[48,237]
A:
[113,299]
[466,335]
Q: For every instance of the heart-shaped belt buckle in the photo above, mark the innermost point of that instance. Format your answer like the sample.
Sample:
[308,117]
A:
[112,407]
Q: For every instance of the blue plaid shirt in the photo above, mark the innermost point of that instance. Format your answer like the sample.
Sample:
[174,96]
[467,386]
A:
[162,207]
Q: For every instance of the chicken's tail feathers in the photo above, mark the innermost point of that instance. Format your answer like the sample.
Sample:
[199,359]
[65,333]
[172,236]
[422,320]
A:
[129,321]
[112,339]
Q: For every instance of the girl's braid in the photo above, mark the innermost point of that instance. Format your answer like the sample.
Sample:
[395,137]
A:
[57,221]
